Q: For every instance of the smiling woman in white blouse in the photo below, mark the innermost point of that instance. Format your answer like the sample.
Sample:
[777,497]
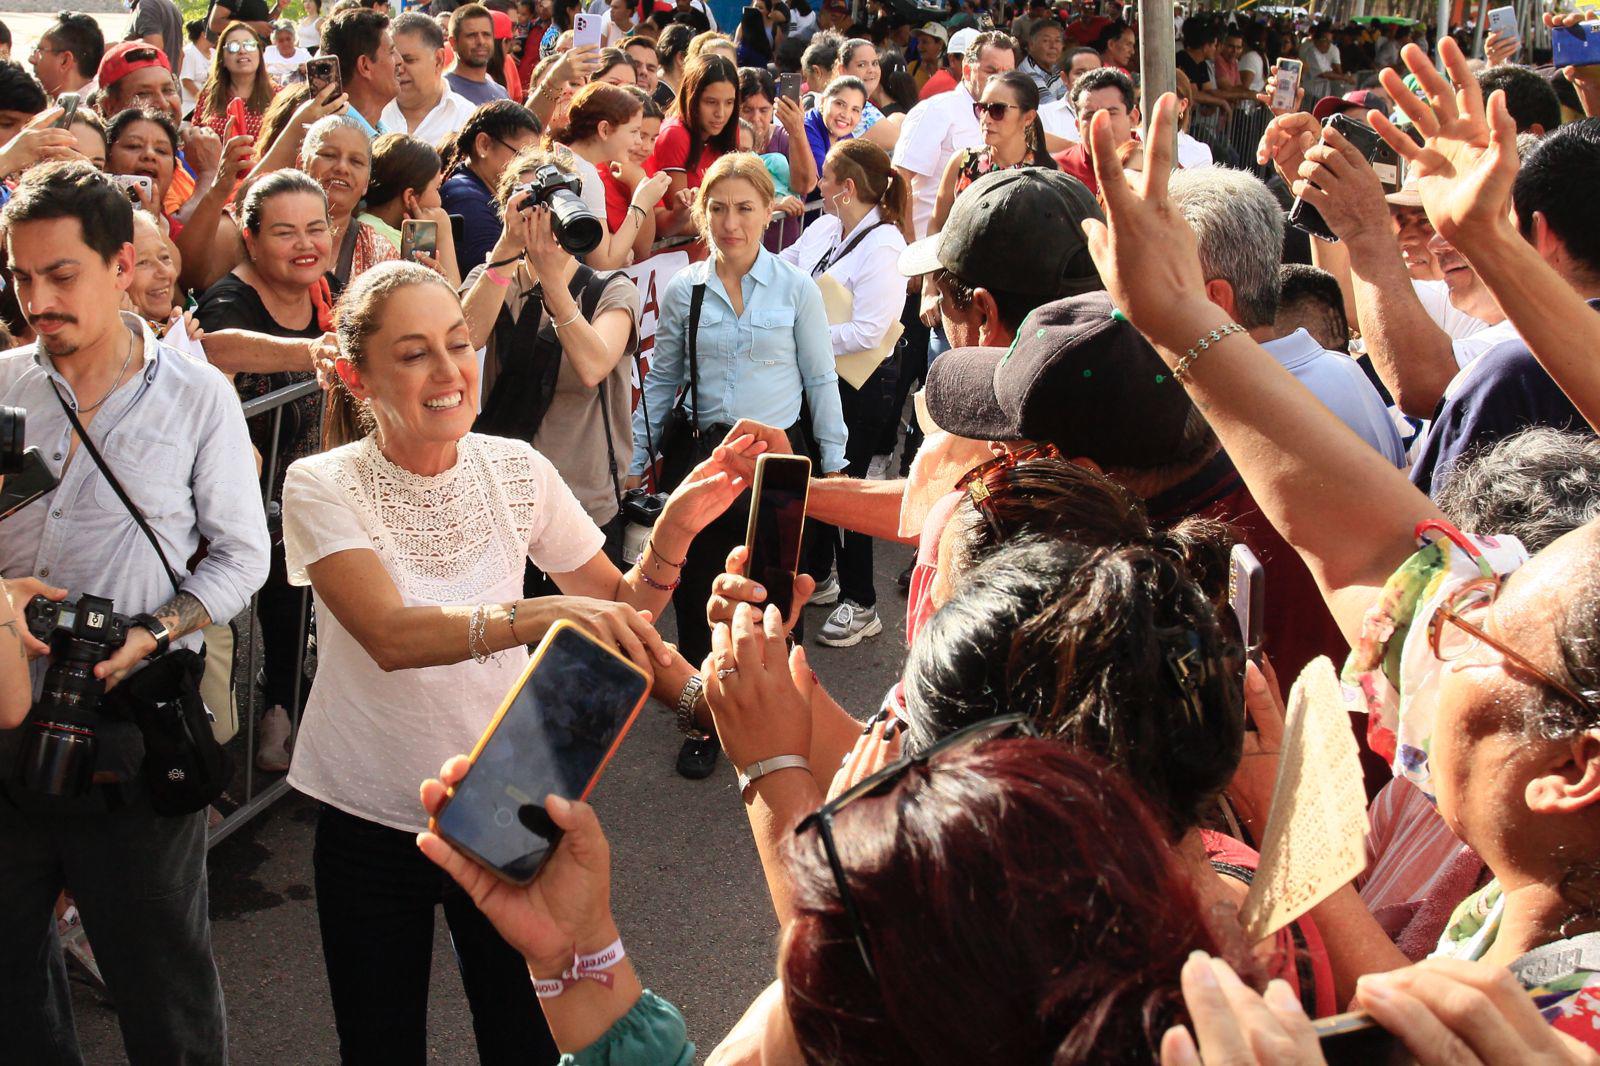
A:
[857,243]
[413,539]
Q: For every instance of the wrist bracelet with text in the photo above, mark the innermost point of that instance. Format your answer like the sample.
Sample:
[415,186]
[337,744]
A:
[584,968]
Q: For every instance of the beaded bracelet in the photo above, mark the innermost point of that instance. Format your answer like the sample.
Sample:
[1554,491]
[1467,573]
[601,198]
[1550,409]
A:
[658,586]
[1201,345]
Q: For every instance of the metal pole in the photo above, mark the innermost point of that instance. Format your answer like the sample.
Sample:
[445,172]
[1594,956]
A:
[1441,32]
[1158,64]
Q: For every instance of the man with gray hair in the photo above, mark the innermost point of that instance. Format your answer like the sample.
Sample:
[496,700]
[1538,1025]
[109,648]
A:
[424,105]
[1239,228]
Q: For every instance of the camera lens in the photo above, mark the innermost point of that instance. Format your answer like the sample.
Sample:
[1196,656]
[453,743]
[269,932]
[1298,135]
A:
[13,435]
[58,759]
[576,228]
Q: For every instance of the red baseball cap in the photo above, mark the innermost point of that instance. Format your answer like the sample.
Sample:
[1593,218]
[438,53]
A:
[1362,100]
[123,59]
[502,25]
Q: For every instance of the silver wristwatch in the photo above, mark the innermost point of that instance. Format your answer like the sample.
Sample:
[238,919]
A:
[685,709]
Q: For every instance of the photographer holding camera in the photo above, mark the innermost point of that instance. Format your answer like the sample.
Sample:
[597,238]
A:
[559,338]
[104,395]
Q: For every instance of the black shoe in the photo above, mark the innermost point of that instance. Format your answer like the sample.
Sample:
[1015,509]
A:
[698,756]
[904,580]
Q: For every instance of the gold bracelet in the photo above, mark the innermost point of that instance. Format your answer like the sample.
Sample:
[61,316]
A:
[1201,345]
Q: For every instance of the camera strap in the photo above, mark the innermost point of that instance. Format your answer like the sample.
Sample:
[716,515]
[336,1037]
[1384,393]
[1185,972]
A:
[696,301]
[116,486]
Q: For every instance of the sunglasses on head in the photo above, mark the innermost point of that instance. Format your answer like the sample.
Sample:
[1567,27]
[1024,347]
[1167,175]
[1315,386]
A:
[995,110]
[988,478]
[1010,725]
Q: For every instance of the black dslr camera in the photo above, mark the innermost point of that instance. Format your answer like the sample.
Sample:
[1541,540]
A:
[13,431]
[58,751]
[576,228]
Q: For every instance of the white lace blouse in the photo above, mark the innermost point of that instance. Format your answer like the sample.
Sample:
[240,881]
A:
[369,738]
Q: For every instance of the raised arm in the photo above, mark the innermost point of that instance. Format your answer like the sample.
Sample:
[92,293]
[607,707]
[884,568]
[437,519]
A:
[802,162]
[1315,480]
[1466,169]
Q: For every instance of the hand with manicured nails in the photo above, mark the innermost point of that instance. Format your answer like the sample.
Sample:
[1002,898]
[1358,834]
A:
[752,688]
[732,587]
[1236,1026]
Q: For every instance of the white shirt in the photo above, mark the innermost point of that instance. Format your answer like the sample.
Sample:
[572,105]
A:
[309,33]
[1317,64]
[281,66]
[933,131]
[1343,388]
[1192,153]
[1435,299]
[868,273]
[1252,70]
[448,116]
[1059,120]
[1467,349]
[368,737]
[196,68]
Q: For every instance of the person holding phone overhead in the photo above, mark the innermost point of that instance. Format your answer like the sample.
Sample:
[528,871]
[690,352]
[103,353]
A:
[744,335]
[237,73]
[703,127]
[420,633]
[404,186]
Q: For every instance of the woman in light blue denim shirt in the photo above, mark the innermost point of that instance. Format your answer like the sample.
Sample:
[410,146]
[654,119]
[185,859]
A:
[763,353]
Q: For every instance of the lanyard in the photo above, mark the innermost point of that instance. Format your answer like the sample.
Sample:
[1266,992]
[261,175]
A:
[839,253]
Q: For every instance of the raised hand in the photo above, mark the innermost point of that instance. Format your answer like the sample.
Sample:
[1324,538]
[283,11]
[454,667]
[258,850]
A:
[567,905]
[750,687]
[1585,79]
[732,587]
[1498,50]
[39,142]
[1468,160]
[1340,183]
[1286,140]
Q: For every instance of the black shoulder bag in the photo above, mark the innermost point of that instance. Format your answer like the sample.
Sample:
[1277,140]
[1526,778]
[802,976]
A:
[184,768]
[684,445]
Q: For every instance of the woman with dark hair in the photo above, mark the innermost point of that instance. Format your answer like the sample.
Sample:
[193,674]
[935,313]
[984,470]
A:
[759,33]
[404,186]
[1063,951]
[702,128]
[779,124]
[144,143]
[615,69]
[602,129]
[1013,137]
[237,73]
[561,12]
[473,163]
[836,116]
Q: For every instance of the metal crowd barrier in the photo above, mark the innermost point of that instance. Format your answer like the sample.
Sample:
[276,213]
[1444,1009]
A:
[255,790]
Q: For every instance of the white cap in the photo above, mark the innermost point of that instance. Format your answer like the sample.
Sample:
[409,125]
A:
[962,40]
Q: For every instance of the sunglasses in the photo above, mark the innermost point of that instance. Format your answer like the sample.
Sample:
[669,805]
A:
[233,48]
[988,478]
[996,110]
[1451,636]
[1010,725]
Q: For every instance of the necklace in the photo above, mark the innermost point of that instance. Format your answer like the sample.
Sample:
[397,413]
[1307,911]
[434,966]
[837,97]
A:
[126,359]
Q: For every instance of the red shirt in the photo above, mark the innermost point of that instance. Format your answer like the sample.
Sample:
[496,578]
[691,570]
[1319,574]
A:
[1075,161]
[672,153]
[618,197]
[941,82]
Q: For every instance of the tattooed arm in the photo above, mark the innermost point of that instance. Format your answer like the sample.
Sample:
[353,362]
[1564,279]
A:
[183,614]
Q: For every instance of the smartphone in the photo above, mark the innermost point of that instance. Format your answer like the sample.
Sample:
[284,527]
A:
[135,182]
[235,125]
[587,30]
[789,85]
[1354,1039]
[1503,20]
[1576,46]
[777,521]
[1284,83]
[322,72]
[419,235]
[68,102]
[1385,162]
[1247,587]
[26,485]
[558,727]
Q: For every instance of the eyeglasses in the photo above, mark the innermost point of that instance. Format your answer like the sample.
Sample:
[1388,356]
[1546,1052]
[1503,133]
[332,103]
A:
[996,110]
[1451,636]
[233,48]
[881,782]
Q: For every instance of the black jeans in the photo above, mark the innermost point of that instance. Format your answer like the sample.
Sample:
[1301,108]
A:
[865,411]
[911,367]
[139,881]
[279,607]
[376,895]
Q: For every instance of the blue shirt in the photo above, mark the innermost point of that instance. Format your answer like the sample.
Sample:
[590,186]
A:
[372,131]
[465,194]
[175,437]
[478,92]
[753,365]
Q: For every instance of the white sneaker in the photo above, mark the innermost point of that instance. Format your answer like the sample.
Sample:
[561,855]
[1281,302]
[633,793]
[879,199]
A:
[272,742]
[849,625]
[827,592]
[878,468]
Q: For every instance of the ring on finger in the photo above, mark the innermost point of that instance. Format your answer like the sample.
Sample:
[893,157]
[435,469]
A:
[725,672]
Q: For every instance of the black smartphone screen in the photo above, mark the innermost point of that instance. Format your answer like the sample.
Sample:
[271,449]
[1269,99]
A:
[789,85]
[1385,161]
[777,521]
[26,485]
[565,718]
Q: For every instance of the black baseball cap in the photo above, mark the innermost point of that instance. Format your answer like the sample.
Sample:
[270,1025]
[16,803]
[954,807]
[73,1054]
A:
[1077,375]
[1015,231]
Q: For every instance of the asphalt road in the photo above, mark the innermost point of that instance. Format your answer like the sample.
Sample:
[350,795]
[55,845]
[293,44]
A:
[687,891]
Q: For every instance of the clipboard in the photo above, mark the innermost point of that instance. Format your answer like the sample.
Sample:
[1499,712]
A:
[854,367]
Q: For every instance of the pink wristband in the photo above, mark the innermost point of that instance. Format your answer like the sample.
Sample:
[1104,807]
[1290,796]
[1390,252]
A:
[584,968]
[495,276]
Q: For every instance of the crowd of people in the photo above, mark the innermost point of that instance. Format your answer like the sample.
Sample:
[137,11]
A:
[428,244]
